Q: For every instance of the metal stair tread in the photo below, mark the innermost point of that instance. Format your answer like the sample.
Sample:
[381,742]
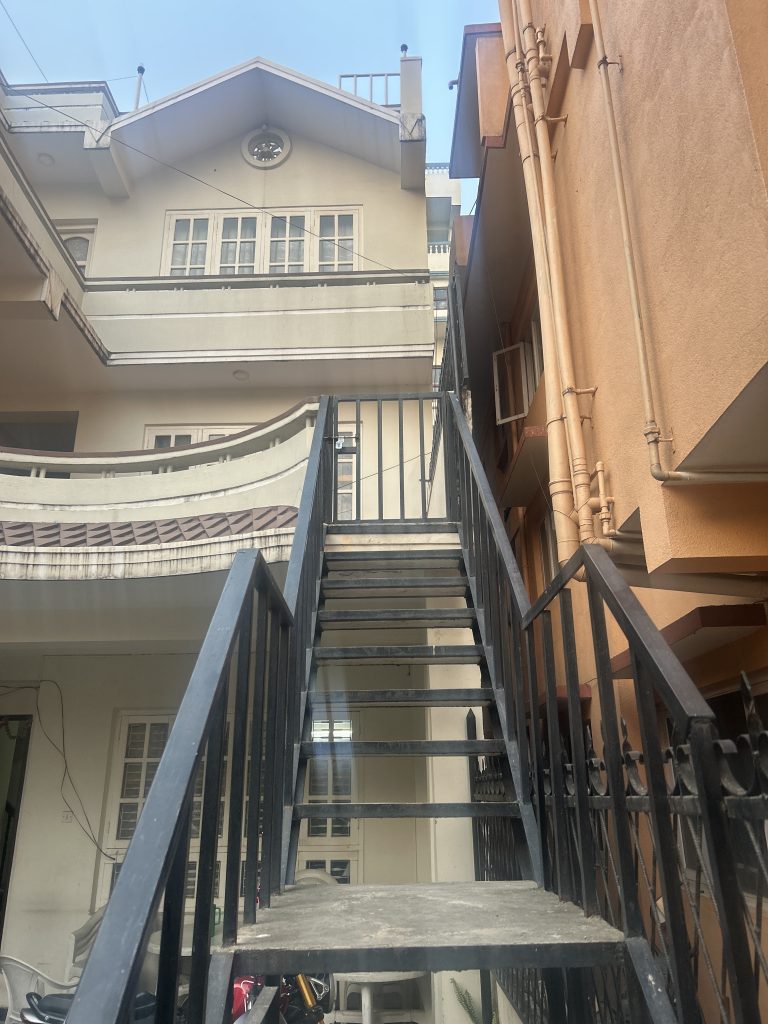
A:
[458,697]
[398,618]
[453,654]
[430,926]
[403,748]
[452,586]
[407,809]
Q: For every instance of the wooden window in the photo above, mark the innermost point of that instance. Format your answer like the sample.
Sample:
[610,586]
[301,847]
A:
[237,250]
[189,252]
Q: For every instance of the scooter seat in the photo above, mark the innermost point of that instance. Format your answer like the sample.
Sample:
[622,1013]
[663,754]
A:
[53,1008]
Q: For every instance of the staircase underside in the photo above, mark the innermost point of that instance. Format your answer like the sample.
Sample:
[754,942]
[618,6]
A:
[430,927]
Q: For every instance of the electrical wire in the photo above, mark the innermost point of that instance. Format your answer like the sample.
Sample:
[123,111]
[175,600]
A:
[87,829]
[202,181]
[17,30]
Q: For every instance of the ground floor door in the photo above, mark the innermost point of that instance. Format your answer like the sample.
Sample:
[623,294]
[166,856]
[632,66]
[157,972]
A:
[14,744]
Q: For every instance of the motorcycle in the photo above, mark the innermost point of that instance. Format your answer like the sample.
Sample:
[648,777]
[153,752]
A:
[303,999]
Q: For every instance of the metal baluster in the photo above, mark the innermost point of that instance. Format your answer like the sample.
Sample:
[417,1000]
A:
[537,753]
[278,805]
[633,924]
[172,930]
[334,456]
[254,778]
[401,450]
[586,851]
[725,882]
[665,846]
[237,775]
[422,468]
[556,773]
[268,869]
[206,866]
[358,474]
[380,469]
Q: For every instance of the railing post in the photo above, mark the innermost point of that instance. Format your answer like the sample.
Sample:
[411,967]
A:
[271,796]
[556,772]
[172,931]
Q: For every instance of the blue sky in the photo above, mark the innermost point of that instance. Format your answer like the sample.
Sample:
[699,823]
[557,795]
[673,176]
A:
[182,41]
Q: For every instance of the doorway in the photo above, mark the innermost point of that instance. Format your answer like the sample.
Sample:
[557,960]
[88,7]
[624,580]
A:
[14,744]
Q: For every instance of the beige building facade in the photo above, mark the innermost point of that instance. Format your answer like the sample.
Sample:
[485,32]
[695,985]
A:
[179,285]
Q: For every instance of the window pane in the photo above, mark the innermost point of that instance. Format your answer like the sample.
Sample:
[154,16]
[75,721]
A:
[248,227]
[278,227]
[318,778]
[317,827]
[342,778]
[77,246]
[200,229]
[296,251]
[227,270]
[158,731]
[321,730]
[340,827]
[131,780]
[149,776]
[327,226]
[246,268]
[162,441]
[228,252]
[196,271]
[342,729]
[197,259]
[134,743]
[247,252]
[229,228]
[126,822]
[181,230]
[177,440]
[297,227]
[276,268]
[345,224]
[314,865]
[326,268]
[178,272]
[345,267]
[327,251]
[179,255]
[340,871]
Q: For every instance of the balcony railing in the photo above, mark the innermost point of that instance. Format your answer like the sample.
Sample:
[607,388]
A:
[164,460]
[382,87]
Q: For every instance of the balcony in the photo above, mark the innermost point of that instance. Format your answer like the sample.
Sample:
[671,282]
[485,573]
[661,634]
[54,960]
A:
[154,512]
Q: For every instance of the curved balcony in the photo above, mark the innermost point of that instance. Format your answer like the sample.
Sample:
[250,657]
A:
[153,512]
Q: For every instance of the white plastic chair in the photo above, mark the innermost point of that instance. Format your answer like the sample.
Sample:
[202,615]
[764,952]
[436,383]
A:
[21,978]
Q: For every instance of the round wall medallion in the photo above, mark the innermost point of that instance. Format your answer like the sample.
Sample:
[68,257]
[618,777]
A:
[266,147]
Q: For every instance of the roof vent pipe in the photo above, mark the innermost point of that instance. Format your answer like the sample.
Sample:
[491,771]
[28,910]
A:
[139,79]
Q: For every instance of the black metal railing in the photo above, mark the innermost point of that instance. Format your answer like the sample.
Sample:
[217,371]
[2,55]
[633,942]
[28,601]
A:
[382,456]
[252,669]
[643,815]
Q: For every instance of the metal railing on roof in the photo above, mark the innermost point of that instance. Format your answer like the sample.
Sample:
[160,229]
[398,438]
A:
[382,87]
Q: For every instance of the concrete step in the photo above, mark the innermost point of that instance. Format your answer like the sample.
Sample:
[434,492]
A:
[440,926]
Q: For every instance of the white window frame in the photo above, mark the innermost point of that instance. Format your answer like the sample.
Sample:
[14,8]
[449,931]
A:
[198,432]
[326,856]
[309,844]
[115,849]
[79,229]
[264,219]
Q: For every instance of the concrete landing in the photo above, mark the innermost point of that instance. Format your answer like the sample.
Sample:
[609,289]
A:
[430,927]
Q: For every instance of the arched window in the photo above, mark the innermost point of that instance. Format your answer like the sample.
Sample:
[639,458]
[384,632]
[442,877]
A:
[77,246]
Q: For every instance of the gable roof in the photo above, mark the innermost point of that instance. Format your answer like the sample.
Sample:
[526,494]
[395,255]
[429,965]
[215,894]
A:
[225,106]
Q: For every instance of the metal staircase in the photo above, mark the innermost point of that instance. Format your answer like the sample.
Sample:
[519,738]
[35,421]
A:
[582,905]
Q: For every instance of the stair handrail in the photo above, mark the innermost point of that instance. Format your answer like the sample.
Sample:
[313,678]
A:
[570,780]
[252,654]
[157,854]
